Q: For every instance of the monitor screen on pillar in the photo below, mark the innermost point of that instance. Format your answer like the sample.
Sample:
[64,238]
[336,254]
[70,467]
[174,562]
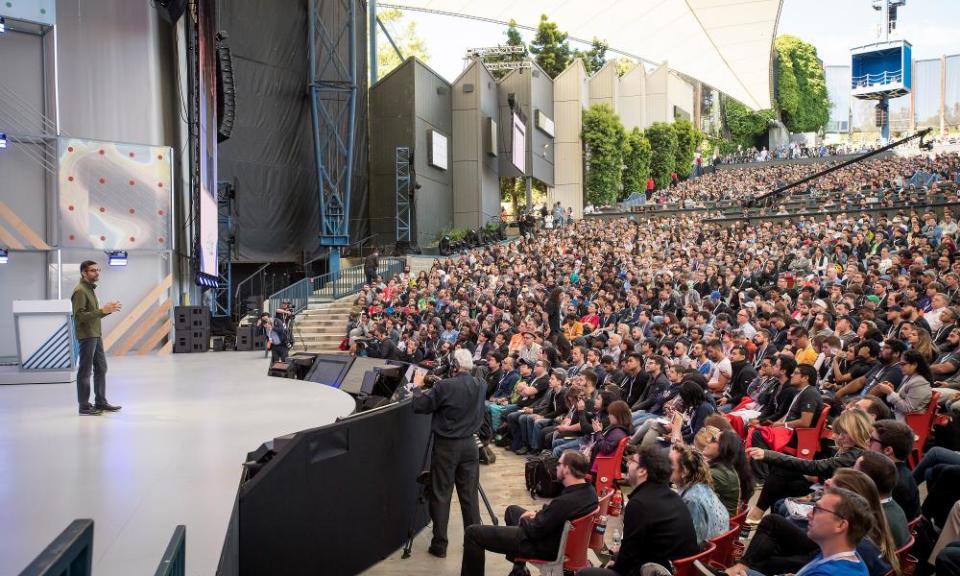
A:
[519,143]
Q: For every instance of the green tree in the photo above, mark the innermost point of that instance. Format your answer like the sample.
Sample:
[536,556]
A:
[603,141]
[663,144]
[404,33]
[513,39]
[688,138]
[595,57]
[550,47]
[636,161]
[744,124]
[513,190]
[801,85]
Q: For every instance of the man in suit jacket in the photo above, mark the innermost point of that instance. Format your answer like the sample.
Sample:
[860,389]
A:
[657,526]
[530,534]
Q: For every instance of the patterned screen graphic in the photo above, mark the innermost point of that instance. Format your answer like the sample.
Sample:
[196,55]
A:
[114,196]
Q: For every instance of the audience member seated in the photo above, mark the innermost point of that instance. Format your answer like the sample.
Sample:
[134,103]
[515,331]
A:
[530,534]
[657,526]
[883,472]
[691,478]
[789,474]
[605,439]
[913,394]
[732,479]
[895,441]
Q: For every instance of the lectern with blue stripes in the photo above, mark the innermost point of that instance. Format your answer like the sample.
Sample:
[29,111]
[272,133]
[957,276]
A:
[46,342]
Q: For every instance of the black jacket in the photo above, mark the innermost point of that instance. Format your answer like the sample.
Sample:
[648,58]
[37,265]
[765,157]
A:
[541,534]
[743,374]
[456,404]
[652,395]
[657,527]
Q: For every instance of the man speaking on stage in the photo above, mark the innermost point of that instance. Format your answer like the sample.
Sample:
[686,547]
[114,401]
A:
[86,316]
[457,405]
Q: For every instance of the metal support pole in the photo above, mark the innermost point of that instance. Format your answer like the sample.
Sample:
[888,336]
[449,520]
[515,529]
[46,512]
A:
[529,182]
[885,118]
[372,33]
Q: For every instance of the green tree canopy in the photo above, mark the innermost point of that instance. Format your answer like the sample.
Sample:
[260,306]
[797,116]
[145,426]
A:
[636,161]
[744,124]
[513,39]
[801,85]
[595,57]
[404,33]
[603,141]
[688,138]
[663,143]
[550,47]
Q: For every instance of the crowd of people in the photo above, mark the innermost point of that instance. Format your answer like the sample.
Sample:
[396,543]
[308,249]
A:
[706,346]
[793,151]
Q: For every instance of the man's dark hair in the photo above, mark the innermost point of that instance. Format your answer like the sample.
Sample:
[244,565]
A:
[855,509]
[656,461]
[897,435]
[871,345]
[577,462]
[590,375]
[808,372]
[897,346]
[880,469]
[877,408]
[636,356]
[86,264]
[787,364]
[798,331]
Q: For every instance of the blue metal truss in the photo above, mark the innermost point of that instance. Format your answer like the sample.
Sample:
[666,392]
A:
[333,106]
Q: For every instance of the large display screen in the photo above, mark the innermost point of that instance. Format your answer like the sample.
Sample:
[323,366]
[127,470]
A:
[438,150]
[519,143]
[206,21]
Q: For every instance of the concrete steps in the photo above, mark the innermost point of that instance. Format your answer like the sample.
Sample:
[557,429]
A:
[321,327]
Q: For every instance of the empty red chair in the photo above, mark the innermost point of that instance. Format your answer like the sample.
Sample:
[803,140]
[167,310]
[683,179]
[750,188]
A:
[684,566]
[723,555]
[808,439]
[597,537]
[608,468]
[921,423]
[572,553]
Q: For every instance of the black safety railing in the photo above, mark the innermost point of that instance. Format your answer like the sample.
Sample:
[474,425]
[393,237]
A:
[174,560]
[70,553]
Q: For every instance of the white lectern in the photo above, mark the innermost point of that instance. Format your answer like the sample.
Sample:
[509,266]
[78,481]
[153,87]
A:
[46,343]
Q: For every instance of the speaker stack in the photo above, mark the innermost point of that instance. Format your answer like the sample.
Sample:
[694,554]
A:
[192,329]
[250,338]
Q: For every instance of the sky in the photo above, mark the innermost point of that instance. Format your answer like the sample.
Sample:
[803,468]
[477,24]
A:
[833,26]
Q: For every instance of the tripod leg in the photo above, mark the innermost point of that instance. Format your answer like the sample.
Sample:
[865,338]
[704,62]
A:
[486,502]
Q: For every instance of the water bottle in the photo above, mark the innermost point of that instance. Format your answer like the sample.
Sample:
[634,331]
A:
[617,537]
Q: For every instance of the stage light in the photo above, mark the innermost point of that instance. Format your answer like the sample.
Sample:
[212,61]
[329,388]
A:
[4,256]
[3,140]
[117,258]
[3,25]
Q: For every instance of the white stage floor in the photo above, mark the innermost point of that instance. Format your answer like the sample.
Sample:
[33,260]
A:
[172,456]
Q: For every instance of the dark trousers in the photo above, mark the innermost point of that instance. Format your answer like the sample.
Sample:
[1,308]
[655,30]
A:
[948,561]
[778,547]
[934,457]
[92,358]
[500,539]
[781,483]
[454,462]
[279,352]
[760,468]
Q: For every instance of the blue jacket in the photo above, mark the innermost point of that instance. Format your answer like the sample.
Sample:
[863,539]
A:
[507,384]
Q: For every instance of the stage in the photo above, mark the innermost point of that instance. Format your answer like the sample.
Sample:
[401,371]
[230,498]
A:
[171,456]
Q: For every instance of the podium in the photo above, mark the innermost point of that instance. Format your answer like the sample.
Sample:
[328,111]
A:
[46,343]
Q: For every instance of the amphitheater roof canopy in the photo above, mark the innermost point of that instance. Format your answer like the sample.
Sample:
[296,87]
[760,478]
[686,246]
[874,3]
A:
[723,43]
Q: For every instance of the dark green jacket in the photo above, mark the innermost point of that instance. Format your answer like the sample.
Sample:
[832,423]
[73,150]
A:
[86,311]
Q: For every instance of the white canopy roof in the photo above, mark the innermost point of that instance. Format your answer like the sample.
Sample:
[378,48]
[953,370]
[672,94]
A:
[723,43]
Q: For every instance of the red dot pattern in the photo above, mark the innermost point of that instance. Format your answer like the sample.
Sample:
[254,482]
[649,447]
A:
[160,184]
[70,207]
[102,209]
[132,183]
[103,180]
[102,152]
[132,154]
[132,211]
[160,240]
[132,239]
[103,238]
[72,237]
[69,178]
[69,148]
[160,212]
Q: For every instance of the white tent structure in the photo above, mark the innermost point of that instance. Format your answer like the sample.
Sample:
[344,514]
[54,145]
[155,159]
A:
[724,43]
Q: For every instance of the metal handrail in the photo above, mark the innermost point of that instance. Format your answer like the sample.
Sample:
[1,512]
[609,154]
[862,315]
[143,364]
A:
[344,282]
[236,293]
[70,552]
[174,560]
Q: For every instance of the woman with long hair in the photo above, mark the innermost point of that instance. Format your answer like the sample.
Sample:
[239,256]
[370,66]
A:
[692,479]
[781,545]
[727,456]
[921,342]
[606,438]
[788,473]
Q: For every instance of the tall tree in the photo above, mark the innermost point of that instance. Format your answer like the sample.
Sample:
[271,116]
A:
[603,141]
[688,138]
[404,34]
[663,143]
[513,39]
[801,85]
[636,162]
[550,47]
[595,57]
[745,125]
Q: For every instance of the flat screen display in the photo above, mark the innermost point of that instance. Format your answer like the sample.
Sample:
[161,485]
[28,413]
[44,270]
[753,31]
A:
[208,141]
[438,150]
[519,144]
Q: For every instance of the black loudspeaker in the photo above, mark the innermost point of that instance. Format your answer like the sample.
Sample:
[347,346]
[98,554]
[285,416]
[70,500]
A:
[283,370]
[170,10]
[226,91]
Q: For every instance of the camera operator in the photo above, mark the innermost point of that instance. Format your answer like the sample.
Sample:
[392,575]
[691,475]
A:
[278,336]
[457,405]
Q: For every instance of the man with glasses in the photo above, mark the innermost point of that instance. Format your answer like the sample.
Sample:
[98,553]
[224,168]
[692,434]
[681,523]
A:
[895,440]
[657,526]
[530,534]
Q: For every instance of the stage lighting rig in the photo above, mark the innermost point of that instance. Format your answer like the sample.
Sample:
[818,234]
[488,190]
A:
[3,140]
[117,258]
[4,256]
[3,25]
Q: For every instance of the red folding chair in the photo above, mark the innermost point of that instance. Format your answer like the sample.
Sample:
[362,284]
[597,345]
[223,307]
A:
[597,537]
[922,423]
[908,563]
[723,555]
[808,439]
[913,524]
[684,566]
[741,515]
[572,553]
[608,468]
